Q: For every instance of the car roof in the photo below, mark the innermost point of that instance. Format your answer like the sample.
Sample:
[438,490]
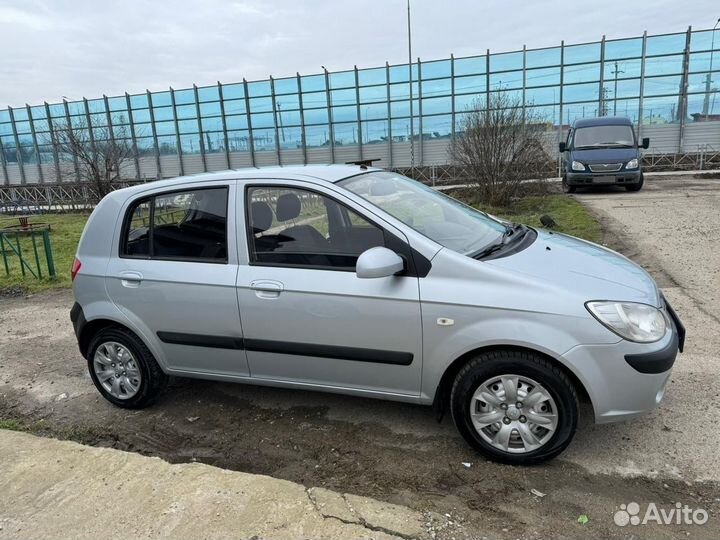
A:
[328,173]
[603,121]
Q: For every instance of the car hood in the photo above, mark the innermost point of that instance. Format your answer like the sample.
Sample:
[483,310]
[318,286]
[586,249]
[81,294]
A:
[605,155]
[583,268]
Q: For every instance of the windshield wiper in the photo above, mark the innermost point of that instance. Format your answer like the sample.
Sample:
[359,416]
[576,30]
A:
[511,234]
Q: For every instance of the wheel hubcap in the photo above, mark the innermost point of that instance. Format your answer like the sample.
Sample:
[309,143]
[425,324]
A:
[117,370]
[513,413]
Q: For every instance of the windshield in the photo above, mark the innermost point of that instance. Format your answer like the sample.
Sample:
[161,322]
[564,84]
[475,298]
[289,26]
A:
[597,136]
[437,216]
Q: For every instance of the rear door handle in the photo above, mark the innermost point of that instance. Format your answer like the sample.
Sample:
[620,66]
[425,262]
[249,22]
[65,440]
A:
[266,288]
[131,280]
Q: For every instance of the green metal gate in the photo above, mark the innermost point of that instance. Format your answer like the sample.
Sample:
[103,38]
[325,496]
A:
[27,249]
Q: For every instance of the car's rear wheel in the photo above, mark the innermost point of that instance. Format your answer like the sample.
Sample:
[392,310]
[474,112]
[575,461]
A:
[123,368]
[567,188]
[636,187]
[514,406]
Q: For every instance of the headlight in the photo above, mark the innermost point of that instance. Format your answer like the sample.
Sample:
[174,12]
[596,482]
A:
[632,164]
[634,322]
[577,166]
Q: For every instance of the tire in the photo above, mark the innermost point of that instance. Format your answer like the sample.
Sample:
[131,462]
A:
[151,380]
[567,188]
[526,366]
[638,186]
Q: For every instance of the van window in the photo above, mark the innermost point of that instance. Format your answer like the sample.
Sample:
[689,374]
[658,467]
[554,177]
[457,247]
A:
[297,227]
[612,136]
[186,225]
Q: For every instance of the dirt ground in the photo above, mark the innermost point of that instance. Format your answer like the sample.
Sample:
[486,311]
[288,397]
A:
[399,453]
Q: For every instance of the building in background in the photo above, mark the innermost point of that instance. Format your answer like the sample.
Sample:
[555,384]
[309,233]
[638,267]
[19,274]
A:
[667,84]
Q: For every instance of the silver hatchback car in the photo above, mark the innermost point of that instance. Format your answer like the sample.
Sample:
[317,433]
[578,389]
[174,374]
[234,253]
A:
[360,281]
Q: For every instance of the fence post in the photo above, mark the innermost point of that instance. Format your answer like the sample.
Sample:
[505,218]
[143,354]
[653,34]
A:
[4,166]
[36,148]
[226,142]
[35,251]
[251,138]
[560,119]
[18,153]
[48,253]
[19,253]
[53,140]
[69,126]
[4,256]
[302,119]
[178,141]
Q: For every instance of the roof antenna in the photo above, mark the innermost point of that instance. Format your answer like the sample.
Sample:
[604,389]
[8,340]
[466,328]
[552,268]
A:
[364,163]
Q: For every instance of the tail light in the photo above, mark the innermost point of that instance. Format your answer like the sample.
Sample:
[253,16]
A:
[76,266]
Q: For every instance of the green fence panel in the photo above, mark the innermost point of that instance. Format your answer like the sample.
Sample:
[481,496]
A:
[33,263]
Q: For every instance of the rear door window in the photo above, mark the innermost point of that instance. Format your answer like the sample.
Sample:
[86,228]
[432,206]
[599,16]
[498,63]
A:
[183,225]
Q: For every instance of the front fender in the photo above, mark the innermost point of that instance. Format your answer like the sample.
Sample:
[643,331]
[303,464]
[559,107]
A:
[477,328]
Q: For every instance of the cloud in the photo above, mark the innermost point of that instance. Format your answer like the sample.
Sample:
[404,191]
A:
[88,48]
[34,22]
[256,9]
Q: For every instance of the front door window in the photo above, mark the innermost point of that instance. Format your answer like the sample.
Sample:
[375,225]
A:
[301,228]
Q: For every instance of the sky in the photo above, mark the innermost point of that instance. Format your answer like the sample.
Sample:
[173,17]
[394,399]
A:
[73,48]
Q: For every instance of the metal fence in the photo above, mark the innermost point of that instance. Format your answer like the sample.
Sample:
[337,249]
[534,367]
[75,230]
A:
[27,250]
[667,84]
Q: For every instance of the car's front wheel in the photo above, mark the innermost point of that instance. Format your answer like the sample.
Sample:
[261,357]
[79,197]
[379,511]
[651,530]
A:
[514,406]
[123,368]
[567,188]
[636,187]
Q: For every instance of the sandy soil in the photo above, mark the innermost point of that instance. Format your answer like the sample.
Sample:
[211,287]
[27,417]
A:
[398,453]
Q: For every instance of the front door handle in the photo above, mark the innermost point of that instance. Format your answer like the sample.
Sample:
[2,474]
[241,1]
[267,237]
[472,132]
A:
[131,280]
[266,288]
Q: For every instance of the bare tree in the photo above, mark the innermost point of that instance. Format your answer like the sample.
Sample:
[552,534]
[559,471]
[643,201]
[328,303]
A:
[500,146]
[99,152]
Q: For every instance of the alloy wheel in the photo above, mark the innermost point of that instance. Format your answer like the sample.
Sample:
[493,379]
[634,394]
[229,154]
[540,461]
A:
[513,413]
[117,370]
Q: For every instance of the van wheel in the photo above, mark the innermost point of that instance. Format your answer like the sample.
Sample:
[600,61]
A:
[514,406]
[638,186]
[567,188]
[123,368]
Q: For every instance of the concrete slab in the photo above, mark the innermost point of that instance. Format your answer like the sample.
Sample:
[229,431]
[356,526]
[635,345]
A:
[59,489]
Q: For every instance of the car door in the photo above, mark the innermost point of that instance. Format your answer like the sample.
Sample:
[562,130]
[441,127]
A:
[173,275]
[307,317]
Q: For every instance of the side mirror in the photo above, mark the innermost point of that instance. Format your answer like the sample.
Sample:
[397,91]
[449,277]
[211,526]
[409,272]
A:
[378,262]
[563,147]
[645,143]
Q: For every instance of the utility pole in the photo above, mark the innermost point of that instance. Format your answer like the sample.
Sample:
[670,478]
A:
[708,78]
[615,72]
[604,105]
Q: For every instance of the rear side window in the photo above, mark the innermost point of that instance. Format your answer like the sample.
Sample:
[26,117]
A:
[182,225]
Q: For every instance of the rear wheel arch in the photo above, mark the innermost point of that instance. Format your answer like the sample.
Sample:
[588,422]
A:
[92,327]
[137,379]
[442,392]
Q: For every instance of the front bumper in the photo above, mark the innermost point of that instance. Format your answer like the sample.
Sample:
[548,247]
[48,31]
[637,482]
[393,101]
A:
[625,379]
[587,178]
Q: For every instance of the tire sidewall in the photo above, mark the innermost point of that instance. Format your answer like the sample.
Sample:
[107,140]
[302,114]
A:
[567,188]
[639,185]
[564,397]
[130,342]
